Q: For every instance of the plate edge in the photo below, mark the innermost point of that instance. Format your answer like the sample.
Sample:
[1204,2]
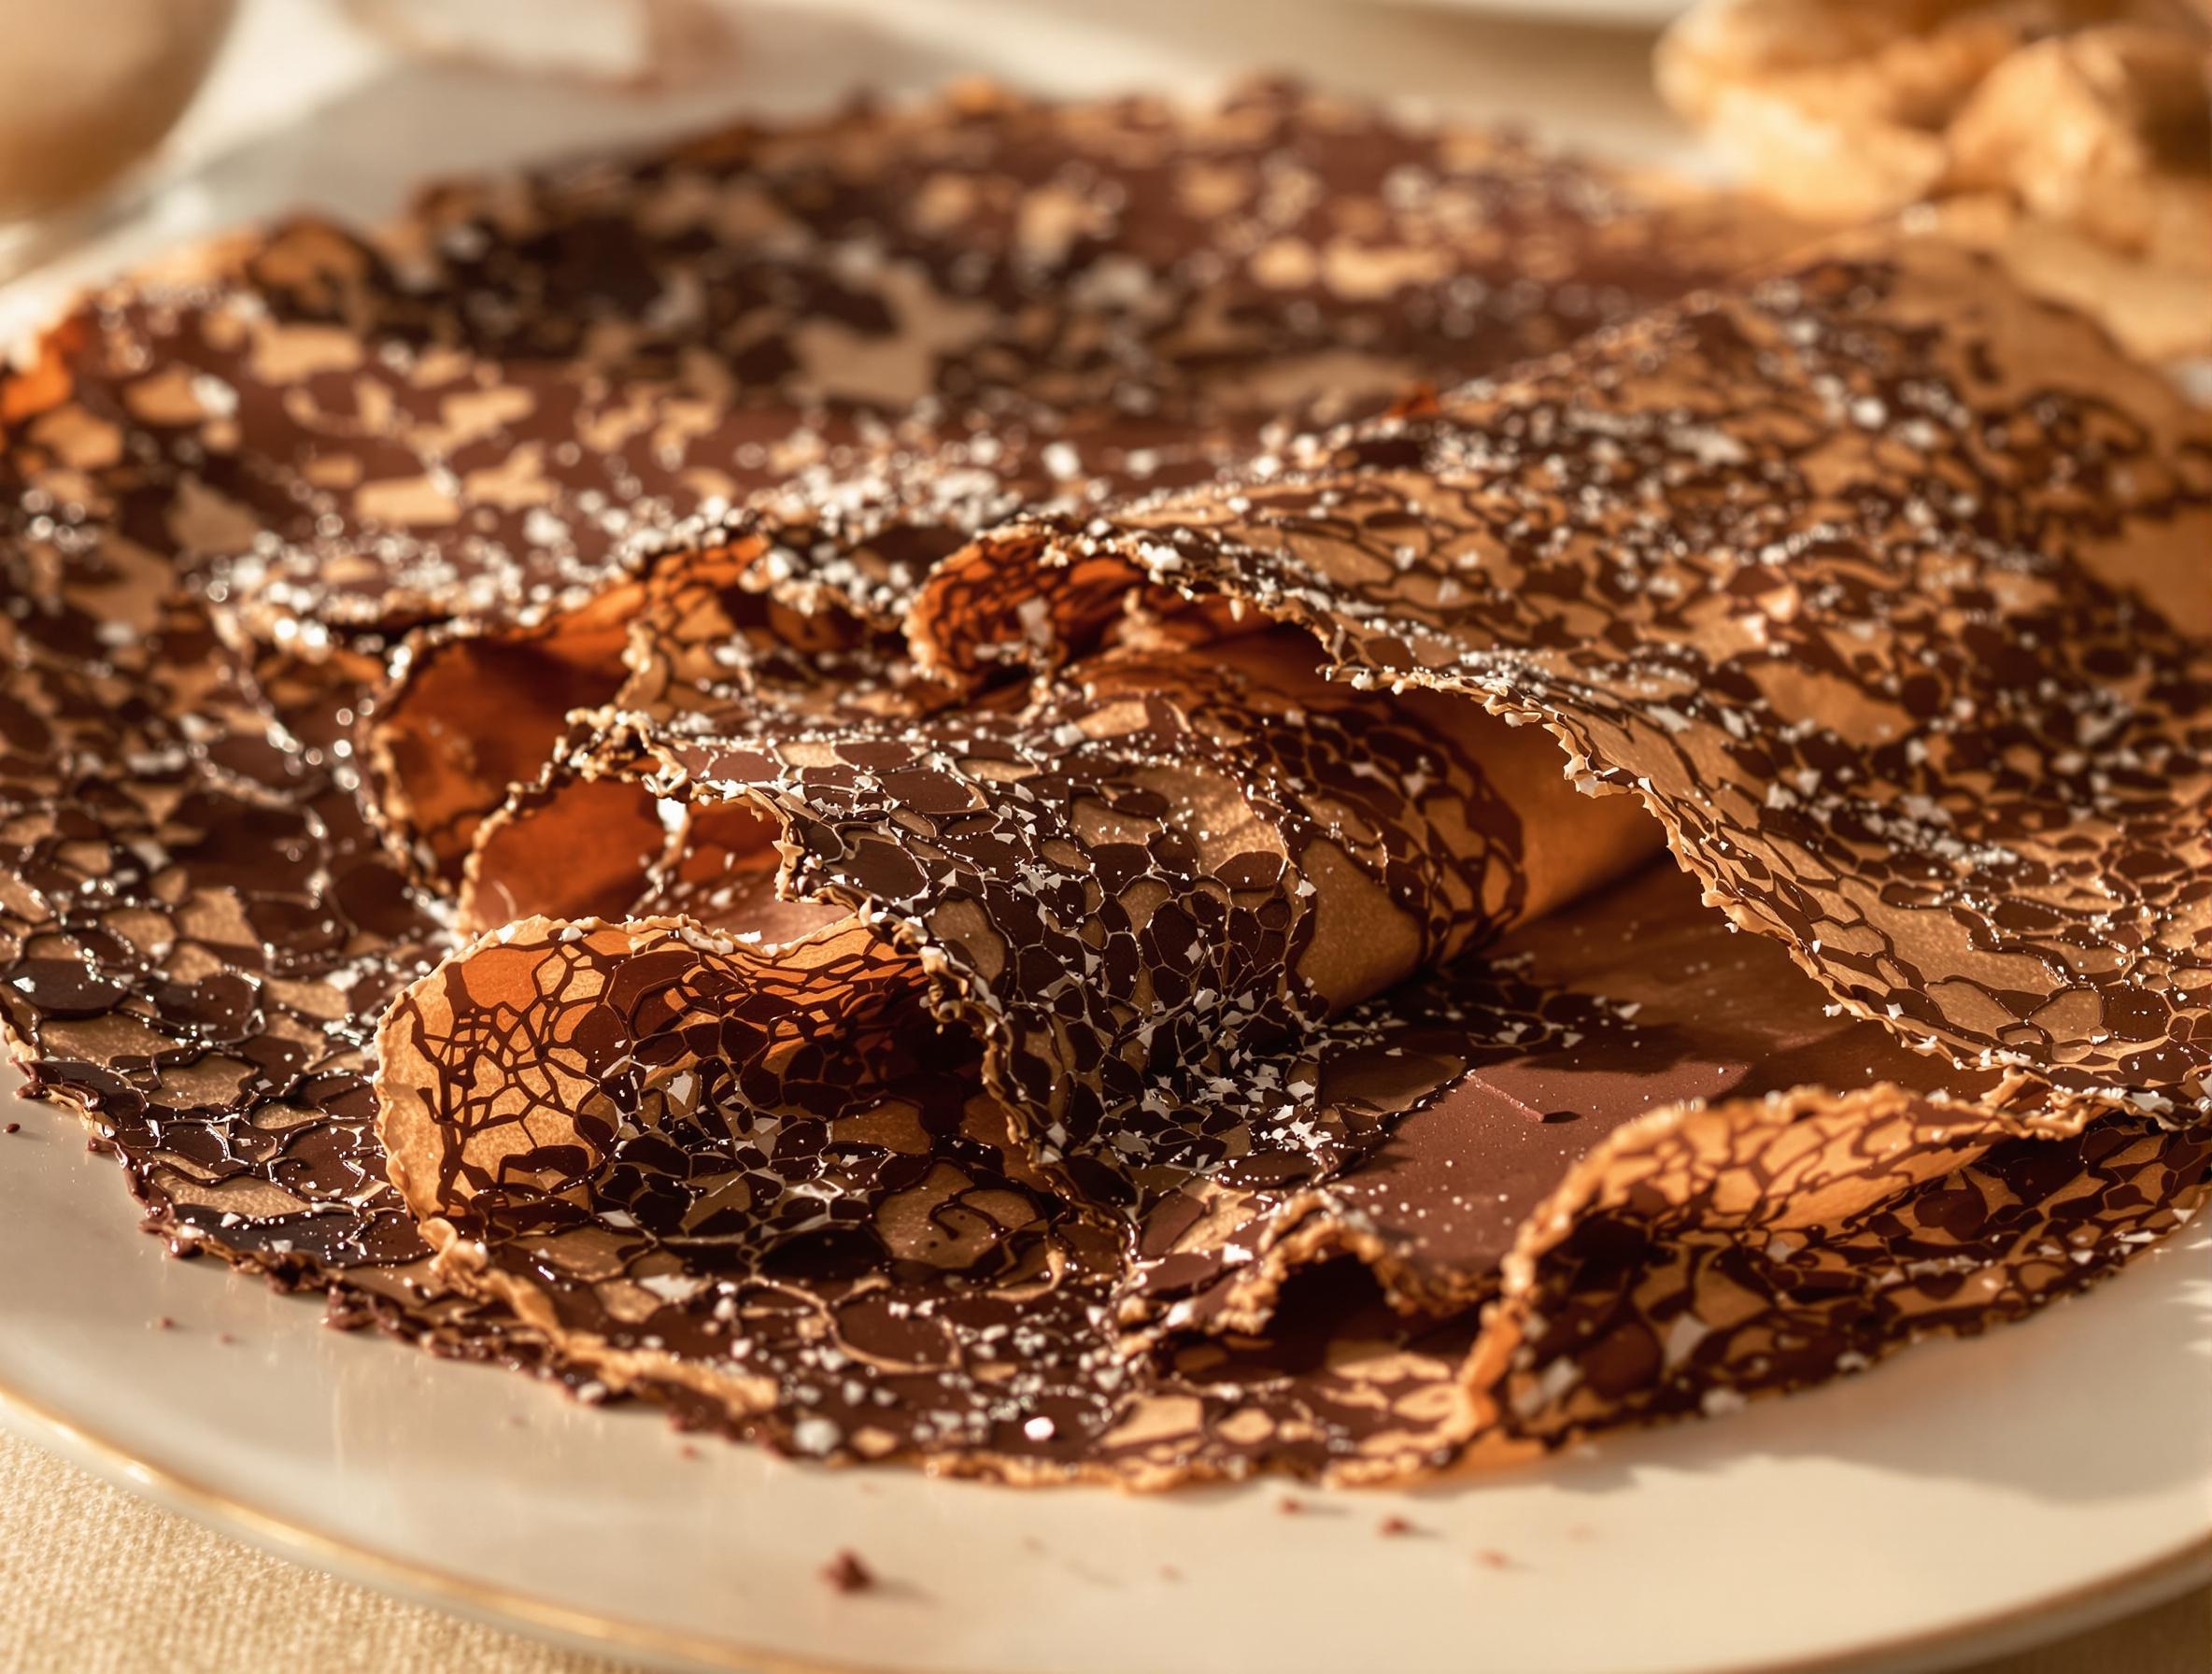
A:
[2076,1609]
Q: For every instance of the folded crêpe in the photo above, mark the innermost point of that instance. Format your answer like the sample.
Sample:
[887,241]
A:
[901,783]
[1023,1071]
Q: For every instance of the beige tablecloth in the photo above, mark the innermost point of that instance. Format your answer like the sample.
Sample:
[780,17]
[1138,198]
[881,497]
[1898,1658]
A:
[94,1580]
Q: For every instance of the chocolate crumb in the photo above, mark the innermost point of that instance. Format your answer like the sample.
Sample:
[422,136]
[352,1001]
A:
[847,1573]
[1491,1558]
[163,1323]
[15,1127]
[1290,1505]
[1393,1525]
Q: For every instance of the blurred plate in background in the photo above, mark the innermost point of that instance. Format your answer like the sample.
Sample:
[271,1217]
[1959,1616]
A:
[1638,14]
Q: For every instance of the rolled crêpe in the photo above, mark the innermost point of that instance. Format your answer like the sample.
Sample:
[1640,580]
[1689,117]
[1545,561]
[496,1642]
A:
[1895,630]
[1124,878]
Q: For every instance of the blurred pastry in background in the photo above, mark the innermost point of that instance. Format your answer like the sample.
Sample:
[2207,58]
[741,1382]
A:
[2073,136]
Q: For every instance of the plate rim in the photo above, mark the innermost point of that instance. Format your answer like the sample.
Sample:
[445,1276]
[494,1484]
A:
[2072,1609]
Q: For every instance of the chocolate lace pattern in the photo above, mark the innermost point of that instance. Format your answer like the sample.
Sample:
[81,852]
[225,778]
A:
[1079,1148]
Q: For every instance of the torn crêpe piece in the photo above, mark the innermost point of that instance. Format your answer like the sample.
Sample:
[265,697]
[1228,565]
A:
[2075,137]
[986,303]
[1708,1256]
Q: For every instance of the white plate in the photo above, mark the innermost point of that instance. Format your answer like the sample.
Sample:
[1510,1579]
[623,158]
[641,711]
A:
[1971,1496]
[1964,1498]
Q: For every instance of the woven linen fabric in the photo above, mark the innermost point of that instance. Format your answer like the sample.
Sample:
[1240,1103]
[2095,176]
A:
[96,1581]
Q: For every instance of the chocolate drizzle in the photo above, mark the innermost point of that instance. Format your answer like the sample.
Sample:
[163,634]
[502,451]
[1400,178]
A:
[1071,1039]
